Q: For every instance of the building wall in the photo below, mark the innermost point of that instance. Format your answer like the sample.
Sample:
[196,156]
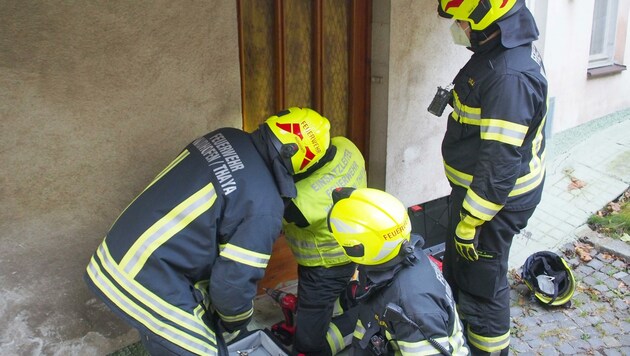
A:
[96,98]
[422,57]
[577,99]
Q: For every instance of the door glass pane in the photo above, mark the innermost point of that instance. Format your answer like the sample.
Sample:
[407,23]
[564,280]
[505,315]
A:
[335,64]
[257,62]
[298,53]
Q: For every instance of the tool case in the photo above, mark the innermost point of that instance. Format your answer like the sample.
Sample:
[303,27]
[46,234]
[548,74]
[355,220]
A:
[430,220]
[258,343]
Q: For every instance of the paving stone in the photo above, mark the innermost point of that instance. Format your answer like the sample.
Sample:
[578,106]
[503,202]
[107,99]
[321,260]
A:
[567,349]
[611,342]
[620,275]
[595,264]
[609,270]
[612,352]
[619,264]
[518,346]
[596,342]
[600,276]
[584,270]
[619,304]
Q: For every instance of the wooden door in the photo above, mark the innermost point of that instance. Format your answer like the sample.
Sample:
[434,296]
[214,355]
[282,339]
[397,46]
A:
[307,53]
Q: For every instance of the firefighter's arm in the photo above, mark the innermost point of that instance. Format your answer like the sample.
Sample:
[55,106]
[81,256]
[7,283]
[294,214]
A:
[241,264]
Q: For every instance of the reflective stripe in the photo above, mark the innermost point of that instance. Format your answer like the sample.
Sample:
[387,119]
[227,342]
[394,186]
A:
[165,228]
[337,308]
[523,184]
[148,298]
[245,256]
[238,317]
[423,347]
[152,302]
[503,131]
[359,330]
[456,177]
[457,338]
[387,248]
[489,344]
[479,207]
[175,162]
[335,339]
[311,253]
[464,113]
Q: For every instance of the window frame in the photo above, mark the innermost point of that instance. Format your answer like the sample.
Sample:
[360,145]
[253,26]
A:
[605,57]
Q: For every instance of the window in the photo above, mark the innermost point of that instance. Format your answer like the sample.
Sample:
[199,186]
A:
[602,50]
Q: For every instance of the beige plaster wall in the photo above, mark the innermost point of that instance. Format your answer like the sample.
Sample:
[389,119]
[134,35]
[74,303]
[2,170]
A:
[422,57]
[95,99]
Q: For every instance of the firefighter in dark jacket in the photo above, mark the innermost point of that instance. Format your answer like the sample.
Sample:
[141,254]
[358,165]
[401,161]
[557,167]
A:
[323,269]
[494,152]
[394,275]
[182,262]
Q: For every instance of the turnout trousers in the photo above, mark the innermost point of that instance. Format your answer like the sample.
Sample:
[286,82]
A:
[319,289]
[481,288]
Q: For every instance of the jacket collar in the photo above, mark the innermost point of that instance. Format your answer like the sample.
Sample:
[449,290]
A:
[284,180]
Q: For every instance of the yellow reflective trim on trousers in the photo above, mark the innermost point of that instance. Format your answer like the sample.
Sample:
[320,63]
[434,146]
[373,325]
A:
[480,207]
[334,339]
[148,298]
[359,330]
[176,161]
[238,317]
[465,114]
[245,256]
[169,332]
[165,228]
[503,131]
[423,347]
[489,344]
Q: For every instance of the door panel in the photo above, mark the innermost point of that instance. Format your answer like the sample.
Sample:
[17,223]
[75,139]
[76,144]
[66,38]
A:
[308,53]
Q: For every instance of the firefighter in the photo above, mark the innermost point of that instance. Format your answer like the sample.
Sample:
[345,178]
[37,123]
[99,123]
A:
[493,152]
[182,262]
[323,269]
[404,304]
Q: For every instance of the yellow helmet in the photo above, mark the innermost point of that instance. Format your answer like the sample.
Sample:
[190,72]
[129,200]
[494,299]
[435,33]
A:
[303,136]
[479,13]
[370,224]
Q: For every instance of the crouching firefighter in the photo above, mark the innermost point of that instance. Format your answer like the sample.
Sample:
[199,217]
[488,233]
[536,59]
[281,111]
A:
[182,262]
[323,269]
[405,306]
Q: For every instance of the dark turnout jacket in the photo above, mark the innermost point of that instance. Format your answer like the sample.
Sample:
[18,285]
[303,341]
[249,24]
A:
[417,286]
[194,242]
[494,146]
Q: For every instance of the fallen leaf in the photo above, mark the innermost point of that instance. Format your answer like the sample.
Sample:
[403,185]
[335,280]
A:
[583,251]
[576,184]
[614,207]
[625,238]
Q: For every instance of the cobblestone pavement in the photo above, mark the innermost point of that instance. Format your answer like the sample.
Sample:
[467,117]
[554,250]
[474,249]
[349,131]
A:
[596,323]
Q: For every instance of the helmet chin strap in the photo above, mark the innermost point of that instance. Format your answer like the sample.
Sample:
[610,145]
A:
[476,37]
